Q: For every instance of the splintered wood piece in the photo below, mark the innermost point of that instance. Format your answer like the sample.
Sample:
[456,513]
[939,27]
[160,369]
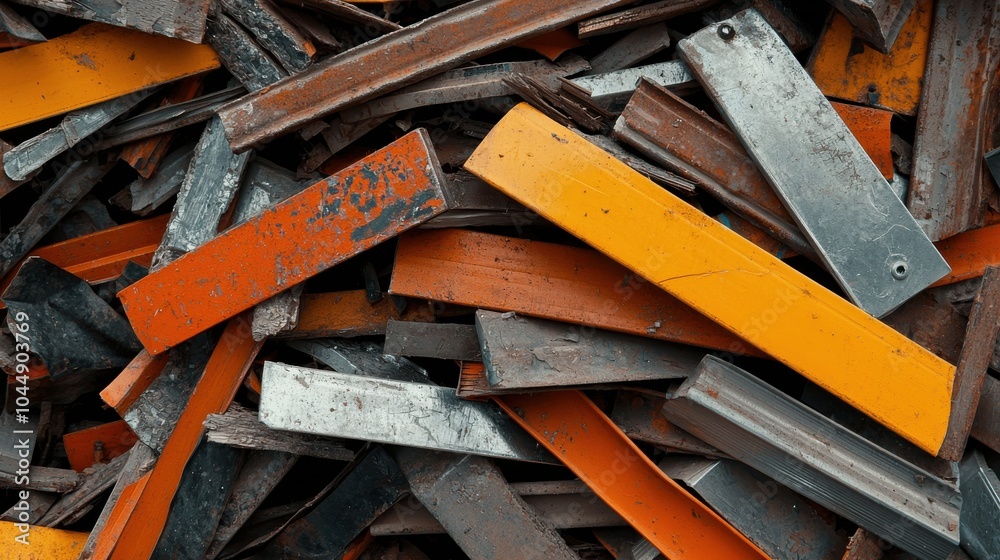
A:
[240,427]
[232,357]
[388,192]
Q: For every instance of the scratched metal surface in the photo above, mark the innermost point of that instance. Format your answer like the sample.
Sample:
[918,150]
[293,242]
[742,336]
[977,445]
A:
[864,233]
[386,411]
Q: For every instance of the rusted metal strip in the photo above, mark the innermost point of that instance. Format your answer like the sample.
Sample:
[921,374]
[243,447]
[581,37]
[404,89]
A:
[871,245]
[546,280]
[98,444]
[846,70]
[115,62]
[877,22]
[183,20]
[388,192]
[970,253]
[418,51]
[102,256]
[872,129]
[471,499]
[678,136]
[122,393]
[232,357]
[553,44]
[949,187]
[349,313]
[438,419]
[146,155]
[764,428]
[569,425]
[776,519]
[637,17]
[977,350]
[523,354]
[631,49]
[603,202]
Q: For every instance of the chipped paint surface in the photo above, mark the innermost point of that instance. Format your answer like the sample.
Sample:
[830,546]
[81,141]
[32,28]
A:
[288,243]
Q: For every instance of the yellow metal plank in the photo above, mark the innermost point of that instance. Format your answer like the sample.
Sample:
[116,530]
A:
[618,211]
[42,543]
[93,64]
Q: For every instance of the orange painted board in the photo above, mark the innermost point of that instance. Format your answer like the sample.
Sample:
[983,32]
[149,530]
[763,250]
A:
[120,514]
[349,313]
[386,193]
[872,129]
[848,69]
[969,253]
[550,281]
[122,393]
[103,255]
[116,438]
[570,426]
[95,63]
[230,360]
[42,543]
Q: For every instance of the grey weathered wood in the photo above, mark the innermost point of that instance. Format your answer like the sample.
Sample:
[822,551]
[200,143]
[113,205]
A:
[639,414]
[155,413]
[184,19]
[273,32]
[261,473]
[62,195]
[140,461]
[12,443]
[240,427]
[631,49]
[44,479]
[245,59]
[94,481]
[201,497]
[278,314]
[471,499]
[432,340]
[524,353]
[37,504]
[32,154]
[15,24]
[211,182]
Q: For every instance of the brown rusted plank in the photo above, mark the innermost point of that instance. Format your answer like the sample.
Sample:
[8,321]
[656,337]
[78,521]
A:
[388,192]
[146,155]
[950,189]
[980,339]
[986,426]
[417,51]
[349,313]
[637,17]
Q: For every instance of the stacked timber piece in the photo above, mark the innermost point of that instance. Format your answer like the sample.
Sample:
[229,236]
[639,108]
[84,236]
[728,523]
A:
[500,279]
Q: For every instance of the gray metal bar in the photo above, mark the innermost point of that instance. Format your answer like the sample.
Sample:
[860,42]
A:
[862,231]
[360,358]
[523,353]
[397,412]
[810,454]
[980,507]
[620,84]
[631,49]
[432,340]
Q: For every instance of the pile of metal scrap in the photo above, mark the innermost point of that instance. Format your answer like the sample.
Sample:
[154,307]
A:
[500,279]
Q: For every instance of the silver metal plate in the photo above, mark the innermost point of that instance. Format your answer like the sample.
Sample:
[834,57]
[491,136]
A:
[840,200]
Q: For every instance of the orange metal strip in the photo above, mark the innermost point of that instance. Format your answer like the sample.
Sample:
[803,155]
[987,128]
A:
[101,256]
[969,253]
[122,393]
[100,61]
[551,281]
[81,449]
[145,155]
[120,515]
[847,69]
[215,390]
[388,192]
[553,44]
[349,313]
[569,425]
[871,128]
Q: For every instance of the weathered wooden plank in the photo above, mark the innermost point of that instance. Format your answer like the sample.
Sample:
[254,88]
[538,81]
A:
[94,481]
[260,474]
[432,340]
[550,281]
[101,62]
[242,428]
[388,192]
[522,354]
[474,503]
[42,479]
[593,196]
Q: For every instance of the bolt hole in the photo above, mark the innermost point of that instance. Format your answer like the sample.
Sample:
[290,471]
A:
[900,270]
[872,88]
[726,31]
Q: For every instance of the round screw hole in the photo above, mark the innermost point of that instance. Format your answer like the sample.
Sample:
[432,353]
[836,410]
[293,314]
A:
[872,88]
[727,32]
[900,270]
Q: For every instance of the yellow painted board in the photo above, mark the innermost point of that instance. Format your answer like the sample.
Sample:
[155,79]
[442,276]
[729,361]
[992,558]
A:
[94,63]
[42,543]
[618,211]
